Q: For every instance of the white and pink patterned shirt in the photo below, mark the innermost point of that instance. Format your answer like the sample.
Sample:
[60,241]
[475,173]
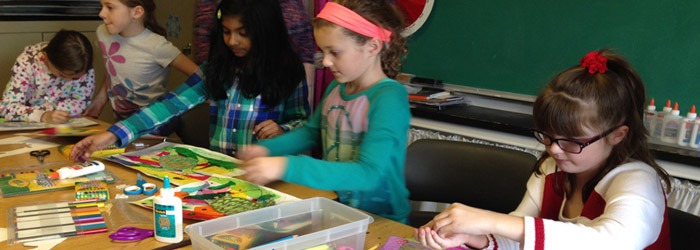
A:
[31,83]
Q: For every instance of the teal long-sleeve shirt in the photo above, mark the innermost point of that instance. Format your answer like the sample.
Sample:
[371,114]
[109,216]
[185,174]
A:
[363,137]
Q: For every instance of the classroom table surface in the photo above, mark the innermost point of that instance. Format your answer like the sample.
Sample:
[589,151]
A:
[377,232]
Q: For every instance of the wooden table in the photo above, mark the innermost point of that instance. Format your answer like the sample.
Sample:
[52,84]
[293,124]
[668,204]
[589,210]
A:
[377,232]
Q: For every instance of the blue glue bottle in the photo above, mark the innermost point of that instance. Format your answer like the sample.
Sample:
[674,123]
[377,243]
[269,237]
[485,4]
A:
[167,215]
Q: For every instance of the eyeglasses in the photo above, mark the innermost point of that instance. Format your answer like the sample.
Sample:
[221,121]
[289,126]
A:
[568,145]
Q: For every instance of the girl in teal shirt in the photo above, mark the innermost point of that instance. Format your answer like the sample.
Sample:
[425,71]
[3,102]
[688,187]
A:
[362,121]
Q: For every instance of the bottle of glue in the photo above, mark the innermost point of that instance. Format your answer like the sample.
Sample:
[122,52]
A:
[686,127]
[77,170]
[660,120]
[671,125]
[167,215]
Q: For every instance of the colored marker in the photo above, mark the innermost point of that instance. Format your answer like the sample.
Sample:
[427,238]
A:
[52,104]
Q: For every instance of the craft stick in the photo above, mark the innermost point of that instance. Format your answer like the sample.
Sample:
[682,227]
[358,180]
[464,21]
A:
[21,234]
[43,212]
[44,223]
[42,217]
[42,207]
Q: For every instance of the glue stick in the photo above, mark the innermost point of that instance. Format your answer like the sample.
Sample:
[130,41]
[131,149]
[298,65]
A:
[167,214]
[650,117]
[671,125]
[77,170]
[686,127]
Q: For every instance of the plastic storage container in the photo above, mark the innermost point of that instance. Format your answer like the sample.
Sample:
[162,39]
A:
[296,225]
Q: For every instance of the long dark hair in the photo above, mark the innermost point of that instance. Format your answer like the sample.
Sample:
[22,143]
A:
[149,18]
[271,68]
[71,51]
[576,98]
[382,14]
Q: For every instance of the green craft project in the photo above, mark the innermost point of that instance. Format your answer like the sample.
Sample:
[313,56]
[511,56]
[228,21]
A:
[178,163]
[232,205]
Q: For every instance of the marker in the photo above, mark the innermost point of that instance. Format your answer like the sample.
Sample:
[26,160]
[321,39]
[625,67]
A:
[49,101]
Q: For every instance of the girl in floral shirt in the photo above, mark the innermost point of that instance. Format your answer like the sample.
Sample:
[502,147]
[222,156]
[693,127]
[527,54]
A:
[50,82]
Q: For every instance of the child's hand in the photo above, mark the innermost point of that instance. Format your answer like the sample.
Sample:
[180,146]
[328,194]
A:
[267,129]
[95,108]
[252,151]
[84,148]
[263,170]
[55,116]
[462,219]
[429,238]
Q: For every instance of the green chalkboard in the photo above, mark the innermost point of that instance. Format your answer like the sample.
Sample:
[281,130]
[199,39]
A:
[518,46]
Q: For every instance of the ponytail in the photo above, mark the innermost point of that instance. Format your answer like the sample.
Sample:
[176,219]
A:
[149,16]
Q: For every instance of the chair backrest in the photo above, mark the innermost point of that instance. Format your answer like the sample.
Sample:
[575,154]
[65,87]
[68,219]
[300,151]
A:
[482,176]
[685,229]
[193,126]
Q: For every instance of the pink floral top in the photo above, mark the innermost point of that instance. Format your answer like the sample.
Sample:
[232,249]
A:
[31,83]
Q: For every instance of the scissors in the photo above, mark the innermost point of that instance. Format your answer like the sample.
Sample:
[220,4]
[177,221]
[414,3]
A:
[131,234]
[39,154]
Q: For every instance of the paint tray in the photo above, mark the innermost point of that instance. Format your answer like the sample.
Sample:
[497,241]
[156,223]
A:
[33,179]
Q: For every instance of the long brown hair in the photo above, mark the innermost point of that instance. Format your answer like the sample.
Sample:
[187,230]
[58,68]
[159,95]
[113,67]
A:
[149,18]
[575,99]
[382,14]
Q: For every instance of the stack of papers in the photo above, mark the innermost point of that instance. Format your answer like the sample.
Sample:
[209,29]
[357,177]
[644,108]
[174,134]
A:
[439,99]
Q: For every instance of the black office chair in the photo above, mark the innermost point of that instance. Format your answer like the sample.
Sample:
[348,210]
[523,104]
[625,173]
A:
[685,229]
[477,175]
[193,127]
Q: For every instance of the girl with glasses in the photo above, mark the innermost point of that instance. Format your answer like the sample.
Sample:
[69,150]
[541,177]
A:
[595,187]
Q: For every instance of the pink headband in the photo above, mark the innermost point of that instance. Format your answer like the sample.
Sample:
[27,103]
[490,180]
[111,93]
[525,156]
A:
[348,19]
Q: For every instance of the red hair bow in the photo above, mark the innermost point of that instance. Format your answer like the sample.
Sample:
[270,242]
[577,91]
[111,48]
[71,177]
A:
[594,61]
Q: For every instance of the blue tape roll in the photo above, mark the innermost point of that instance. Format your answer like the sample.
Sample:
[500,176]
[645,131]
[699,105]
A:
[131,190]
[149,188]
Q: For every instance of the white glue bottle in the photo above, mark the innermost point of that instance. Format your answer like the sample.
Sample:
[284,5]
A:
[694,138]
[167,215]
[671,125]
[686,127]
[650,117]
[77,170]
[660,120]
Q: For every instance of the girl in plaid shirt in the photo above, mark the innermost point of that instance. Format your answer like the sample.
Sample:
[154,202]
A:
[253,77]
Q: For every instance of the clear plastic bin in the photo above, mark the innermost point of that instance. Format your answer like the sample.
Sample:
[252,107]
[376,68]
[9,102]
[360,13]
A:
[297,225]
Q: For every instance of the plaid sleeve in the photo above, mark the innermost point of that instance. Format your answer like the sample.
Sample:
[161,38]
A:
[296,108]
[172,104]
